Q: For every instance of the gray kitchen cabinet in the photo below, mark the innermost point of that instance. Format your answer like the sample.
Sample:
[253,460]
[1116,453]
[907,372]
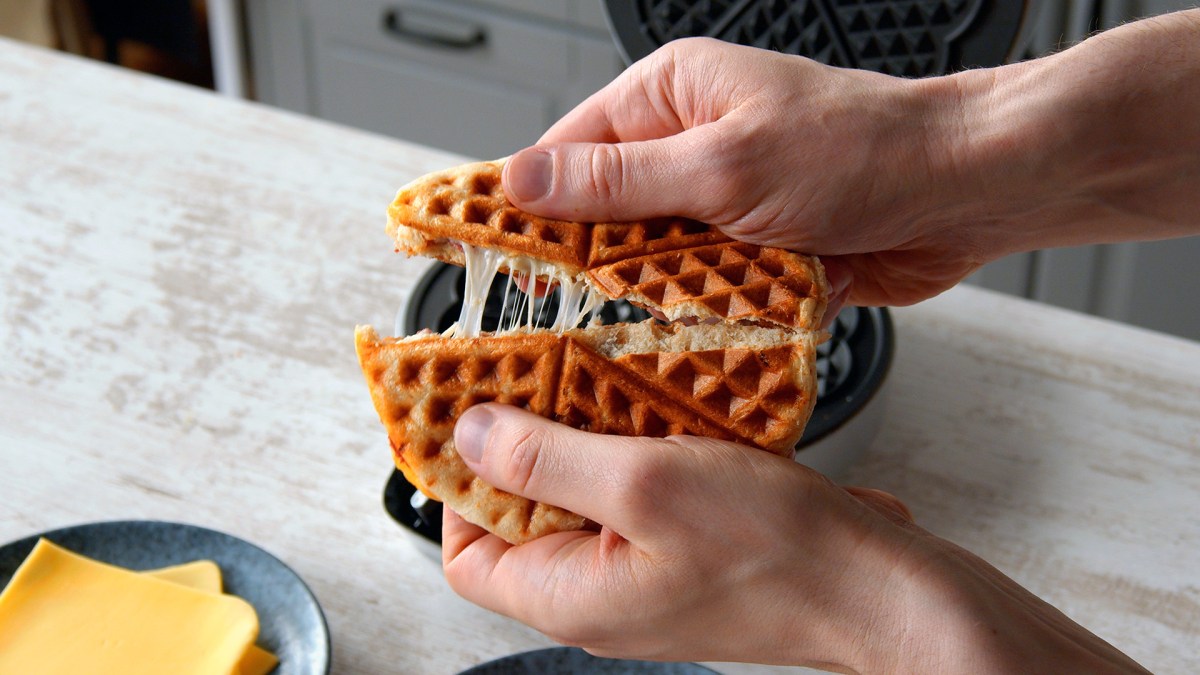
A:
[481,78]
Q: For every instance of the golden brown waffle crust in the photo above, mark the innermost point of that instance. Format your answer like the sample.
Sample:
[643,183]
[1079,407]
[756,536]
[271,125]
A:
[633,380]
[679,267]
[749,378]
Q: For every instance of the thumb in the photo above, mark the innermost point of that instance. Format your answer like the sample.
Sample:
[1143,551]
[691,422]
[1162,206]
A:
[528,455]
[612,182]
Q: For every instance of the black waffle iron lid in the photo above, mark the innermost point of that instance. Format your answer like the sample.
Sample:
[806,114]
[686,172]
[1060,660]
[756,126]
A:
[913,38]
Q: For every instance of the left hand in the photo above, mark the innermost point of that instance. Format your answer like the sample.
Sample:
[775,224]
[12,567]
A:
[707,550]
[711,551]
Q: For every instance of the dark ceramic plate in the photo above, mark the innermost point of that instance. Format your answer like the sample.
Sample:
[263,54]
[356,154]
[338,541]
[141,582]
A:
[572,661]
[290,620]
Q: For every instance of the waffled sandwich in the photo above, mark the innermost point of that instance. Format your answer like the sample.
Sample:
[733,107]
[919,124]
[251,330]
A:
[742,371]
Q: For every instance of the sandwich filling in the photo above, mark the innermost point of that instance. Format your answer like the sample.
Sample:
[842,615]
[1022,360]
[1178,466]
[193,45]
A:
[521,310]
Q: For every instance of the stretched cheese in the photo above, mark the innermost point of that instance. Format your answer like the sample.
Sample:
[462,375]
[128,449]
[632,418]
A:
[64,613]
[577,300]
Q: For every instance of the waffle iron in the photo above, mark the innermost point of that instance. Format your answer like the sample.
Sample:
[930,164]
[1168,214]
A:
[911,38]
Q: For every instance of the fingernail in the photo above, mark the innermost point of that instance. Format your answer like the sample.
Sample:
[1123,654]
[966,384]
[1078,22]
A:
[529,174]
[471,433]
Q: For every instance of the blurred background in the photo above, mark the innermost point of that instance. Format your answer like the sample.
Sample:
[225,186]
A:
[485,77]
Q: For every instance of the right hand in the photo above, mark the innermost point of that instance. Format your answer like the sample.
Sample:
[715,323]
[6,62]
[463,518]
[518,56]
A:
[903,187]
[773,149]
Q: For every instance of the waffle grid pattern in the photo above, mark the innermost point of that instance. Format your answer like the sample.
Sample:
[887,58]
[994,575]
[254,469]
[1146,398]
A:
[668,262]
[450,199]
[734,281]
[898,37]
[430,388]
[735,394]
[601,396]
[420,389]
[747,391]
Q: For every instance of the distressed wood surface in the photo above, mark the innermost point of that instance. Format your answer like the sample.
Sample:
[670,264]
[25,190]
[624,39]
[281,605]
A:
[180,276]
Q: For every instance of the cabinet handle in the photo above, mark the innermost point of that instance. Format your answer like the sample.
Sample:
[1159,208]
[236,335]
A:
[433,29]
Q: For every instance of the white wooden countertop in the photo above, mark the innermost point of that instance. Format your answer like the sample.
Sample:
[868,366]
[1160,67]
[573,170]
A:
[180,276]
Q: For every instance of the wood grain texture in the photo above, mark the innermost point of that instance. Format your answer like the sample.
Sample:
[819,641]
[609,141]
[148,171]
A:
[180,276]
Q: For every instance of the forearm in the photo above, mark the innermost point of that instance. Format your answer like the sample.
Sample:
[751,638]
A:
[1097,144]
[966,616]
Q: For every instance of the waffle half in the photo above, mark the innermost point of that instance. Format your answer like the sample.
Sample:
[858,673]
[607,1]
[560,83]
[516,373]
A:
[633,380]
[679,267]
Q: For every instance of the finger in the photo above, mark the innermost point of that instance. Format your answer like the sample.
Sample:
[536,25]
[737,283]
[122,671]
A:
[840,276]
[617,182]
[528,455]
[636,106]
[833,308]
[507,579]
[885,503]
[458,535]
[589,122]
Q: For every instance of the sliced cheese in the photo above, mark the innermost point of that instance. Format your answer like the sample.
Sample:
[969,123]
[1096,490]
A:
[257,661]
[202,575]
[64,613]
[205,575]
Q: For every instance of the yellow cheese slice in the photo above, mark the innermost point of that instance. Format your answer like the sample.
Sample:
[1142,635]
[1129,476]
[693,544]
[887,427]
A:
[205,575]
[202,575]
[64,613]
[257,661]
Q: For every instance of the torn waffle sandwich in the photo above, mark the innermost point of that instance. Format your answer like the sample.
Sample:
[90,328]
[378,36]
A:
[744,372]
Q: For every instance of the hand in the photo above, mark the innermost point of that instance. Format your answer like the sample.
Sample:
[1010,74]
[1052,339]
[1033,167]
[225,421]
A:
[774,149]
[698,536]
[903,187]
[708,550]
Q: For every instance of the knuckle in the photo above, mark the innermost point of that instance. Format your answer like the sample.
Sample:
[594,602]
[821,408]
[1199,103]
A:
[649,482]
[523,446]
[606,175]
[689,46]
[727,174]
[572,633]
[458,579]
[571,627]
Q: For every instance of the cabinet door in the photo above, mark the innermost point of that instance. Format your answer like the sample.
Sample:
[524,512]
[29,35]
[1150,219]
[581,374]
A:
[278,45]
[1151,284]
[1008,275]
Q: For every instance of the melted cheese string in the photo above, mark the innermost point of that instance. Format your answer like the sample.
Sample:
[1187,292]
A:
[481,267]
[576,299]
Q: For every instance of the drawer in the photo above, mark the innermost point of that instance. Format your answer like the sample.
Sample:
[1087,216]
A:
[448,37]
[582,13]
[429,106]
[558,10]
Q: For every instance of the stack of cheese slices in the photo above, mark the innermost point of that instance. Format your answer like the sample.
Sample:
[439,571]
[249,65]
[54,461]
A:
[63,614]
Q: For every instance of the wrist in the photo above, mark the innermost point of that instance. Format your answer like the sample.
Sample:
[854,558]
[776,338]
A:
[998,150]
[1096,144]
